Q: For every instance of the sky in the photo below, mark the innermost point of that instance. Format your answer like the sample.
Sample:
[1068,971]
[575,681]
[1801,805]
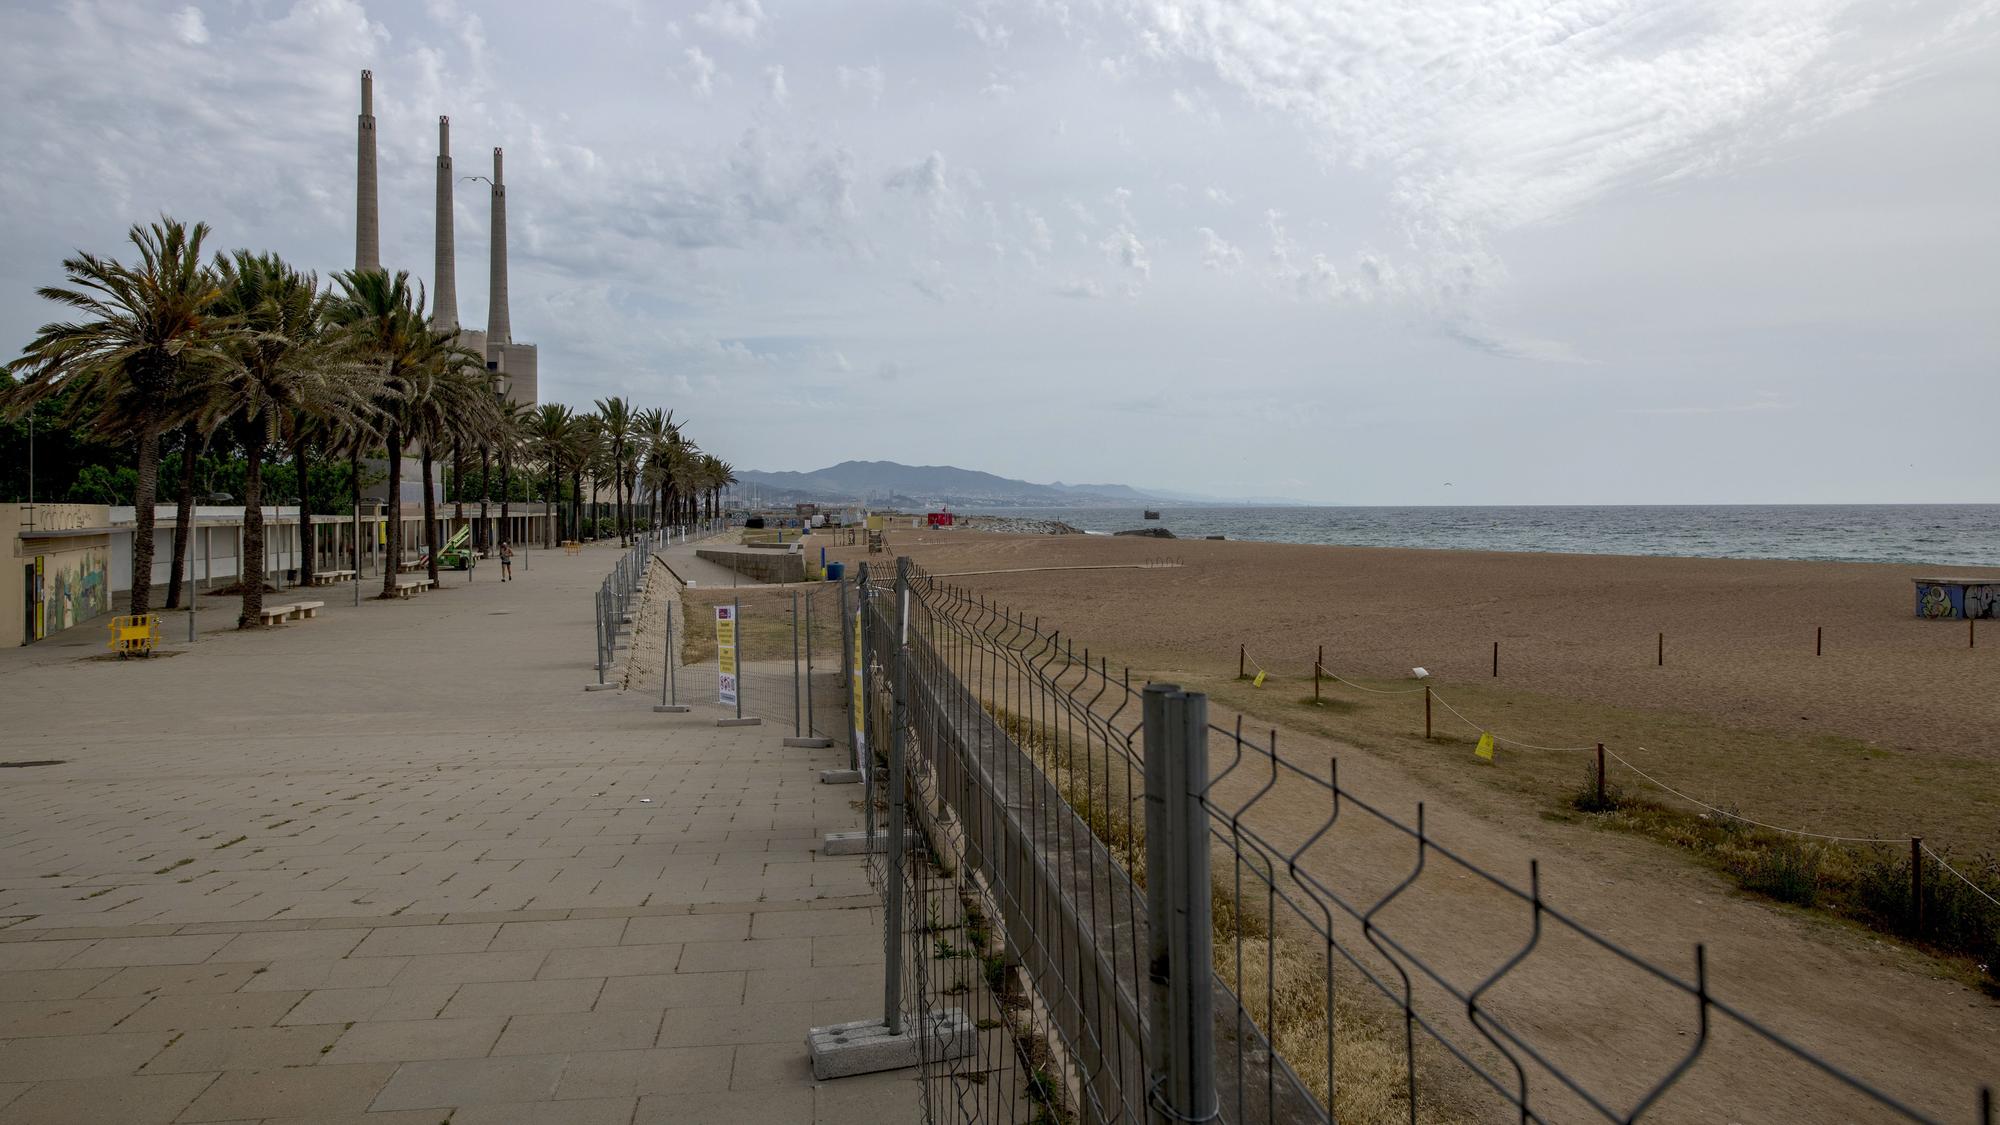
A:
[1343,251]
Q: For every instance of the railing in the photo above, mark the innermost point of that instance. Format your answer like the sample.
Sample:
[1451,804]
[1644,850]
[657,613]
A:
[1140,935]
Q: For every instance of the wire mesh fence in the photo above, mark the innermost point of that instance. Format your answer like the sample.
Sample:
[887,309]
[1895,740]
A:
[1146,915]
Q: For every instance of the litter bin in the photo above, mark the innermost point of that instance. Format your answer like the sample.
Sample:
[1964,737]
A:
[835,571]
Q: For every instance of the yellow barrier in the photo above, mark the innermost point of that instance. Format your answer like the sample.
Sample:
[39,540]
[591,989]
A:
[136,633]
[572,547]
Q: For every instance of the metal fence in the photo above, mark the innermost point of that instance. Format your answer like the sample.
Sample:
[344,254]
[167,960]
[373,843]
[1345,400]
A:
[1148,914]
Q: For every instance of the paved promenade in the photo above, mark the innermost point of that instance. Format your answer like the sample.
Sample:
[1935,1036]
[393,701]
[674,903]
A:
[394,867]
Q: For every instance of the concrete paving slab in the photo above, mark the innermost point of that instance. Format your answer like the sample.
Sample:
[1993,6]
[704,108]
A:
[439,895]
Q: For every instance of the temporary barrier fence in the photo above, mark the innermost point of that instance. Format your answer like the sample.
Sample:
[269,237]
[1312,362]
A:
[1144,914]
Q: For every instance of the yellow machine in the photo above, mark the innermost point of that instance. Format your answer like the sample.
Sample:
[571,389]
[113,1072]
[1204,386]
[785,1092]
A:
[138,634]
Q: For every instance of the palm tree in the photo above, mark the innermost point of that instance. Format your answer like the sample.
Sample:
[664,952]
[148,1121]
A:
[684,468]
[284,359]
[138,361]
[386,317]
[449,396]
[550,432]
[590,452]
[617,419]
[507,432]
[652,432]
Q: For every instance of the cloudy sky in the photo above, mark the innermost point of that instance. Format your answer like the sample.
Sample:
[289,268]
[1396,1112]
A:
[1569,251]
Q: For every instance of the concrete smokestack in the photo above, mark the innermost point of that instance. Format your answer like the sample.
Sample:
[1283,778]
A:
[367,217]
[444,309]
[498,331]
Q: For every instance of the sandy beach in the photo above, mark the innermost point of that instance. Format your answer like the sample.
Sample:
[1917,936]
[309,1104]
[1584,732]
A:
[1895,729]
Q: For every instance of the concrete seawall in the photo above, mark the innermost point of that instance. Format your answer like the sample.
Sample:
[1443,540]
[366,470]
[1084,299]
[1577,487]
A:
[762,566]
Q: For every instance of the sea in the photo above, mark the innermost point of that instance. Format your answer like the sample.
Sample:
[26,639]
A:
[1929,534]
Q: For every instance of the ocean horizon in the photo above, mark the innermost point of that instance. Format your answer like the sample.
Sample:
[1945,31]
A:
[1921,534]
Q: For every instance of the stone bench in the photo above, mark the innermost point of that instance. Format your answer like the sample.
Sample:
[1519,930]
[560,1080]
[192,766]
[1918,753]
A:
[272,614]
[405,589]
[308,609]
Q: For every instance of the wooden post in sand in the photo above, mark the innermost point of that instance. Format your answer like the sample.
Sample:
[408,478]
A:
[1496,660]
[1427,711]
[1239,661]
[1917,885]
[1318,661]
[1663,650]
[1600,775]
[1819,640]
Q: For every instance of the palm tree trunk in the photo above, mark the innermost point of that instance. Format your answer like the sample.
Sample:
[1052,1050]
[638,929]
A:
[506,492]
[485,535]
[183,514]
[430,517]
[392,551]
[250,575]
[354,506]
[576,506]
[306,543]
[143,495]
[458,480]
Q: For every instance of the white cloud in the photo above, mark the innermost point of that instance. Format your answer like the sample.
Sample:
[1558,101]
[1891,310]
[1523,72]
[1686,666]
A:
[1080,288]
[1123,247]
[866,80]
[928,182]
[189,26]
[703,69]
[774,84]
[1217,253]
[740,20]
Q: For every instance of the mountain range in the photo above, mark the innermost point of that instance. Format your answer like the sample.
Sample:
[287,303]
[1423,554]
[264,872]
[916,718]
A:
[888,483]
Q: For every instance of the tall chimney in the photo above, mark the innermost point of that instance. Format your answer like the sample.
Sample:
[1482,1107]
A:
[367,219]
[498,331]
[444,307]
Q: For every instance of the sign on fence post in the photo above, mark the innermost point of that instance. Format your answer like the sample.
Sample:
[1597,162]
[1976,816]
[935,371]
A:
[725,653]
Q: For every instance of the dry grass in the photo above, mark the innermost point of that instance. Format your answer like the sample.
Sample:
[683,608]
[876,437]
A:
[765,631]
[1282,984]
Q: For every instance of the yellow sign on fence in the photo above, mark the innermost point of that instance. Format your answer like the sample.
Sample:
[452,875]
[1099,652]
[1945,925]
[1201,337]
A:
[725,653]
[859,716]
[1485,747]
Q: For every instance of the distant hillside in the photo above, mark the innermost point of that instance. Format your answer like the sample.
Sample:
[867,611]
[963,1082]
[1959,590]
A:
[889,483]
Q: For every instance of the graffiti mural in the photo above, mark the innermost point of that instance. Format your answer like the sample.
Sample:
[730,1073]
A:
[70,588]
[1938,601]
[1982,601]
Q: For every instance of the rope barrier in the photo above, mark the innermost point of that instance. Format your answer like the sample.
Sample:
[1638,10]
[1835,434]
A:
[1738,816]
[1976,888]
[1498,738]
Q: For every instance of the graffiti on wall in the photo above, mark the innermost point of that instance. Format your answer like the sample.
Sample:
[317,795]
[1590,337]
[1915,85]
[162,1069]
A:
[1945,601]
[70,588]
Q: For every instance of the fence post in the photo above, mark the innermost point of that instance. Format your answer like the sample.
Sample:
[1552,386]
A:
[892,975]
[1240,653]
[1496,660]
[848,633]
[1180,1058]
[809,659]
[599,606]
[1663,650]
[797,730]
[736,615]
[1600,775]
[1427,710]
[1819,640]
[1917,885]
[1318,661]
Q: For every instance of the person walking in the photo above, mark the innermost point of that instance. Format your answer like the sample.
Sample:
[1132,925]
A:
[506,561]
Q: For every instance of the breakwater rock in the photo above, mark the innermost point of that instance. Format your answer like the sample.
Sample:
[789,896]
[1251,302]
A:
[1149,533]
[1016,525]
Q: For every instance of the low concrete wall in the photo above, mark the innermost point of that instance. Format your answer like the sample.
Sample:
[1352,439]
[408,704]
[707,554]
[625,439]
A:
[764,566]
